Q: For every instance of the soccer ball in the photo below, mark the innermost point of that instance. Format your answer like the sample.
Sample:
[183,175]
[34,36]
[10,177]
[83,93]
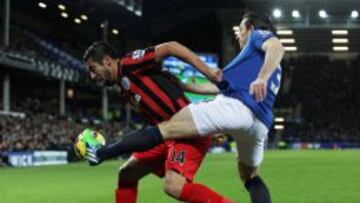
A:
[93,138]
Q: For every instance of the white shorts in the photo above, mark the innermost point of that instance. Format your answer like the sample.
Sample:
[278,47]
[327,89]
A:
[229,115]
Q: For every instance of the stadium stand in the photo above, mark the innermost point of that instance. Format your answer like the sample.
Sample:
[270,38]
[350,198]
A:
[322,95]
[41,130]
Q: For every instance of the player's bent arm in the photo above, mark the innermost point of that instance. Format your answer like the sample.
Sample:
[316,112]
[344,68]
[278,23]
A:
[274,51]
[205,88]
[179,51]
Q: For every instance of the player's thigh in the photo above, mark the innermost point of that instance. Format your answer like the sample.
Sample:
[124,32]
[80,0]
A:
[250,148]
[185,156]
[133,170]
[221,115]
[181,125]
[184,159]
[154,158]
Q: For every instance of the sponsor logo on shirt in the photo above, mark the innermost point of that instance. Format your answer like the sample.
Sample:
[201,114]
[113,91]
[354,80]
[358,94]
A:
[138,54]
[264,33]
[125,82]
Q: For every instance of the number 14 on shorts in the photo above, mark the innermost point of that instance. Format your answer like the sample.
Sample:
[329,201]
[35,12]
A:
[178,156]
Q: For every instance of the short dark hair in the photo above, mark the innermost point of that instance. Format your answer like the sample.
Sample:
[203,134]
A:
[98,50]
[259,21]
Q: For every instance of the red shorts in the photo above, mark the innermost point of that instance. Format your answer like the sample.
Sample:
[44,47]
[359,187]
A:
[183,156]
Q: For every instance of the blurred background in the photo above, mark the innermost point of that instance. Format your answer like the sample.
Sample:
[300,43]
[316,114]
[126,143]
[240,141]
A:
[46,98]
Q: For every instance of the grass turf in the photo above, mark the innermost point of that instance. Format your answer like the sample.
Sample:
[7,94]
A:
[292,176]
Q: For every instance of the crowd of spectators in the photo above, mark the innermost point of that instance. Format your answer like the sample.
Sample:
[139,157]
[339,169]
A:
[41,129]
[324,98]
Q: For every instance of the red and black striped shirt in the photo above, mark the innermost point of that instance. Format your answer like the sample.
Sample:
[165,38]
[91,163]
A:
[148,88]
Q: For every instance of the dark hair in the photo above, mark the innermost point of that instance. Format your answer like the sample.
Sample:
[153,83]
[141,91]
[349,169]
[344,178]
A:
[259,21]
[98,50]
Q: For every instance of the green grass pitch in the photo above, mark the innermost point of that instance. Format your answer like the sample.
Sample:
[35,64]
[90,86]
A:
[293,177]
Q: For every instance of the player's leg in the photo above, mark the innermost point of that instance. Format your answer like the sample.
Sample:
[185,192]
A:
[184,159]
[217,116]
[259,193]
[174,183]
[129,175]
[181,124]
[250,146]
[178,187]
[139,165]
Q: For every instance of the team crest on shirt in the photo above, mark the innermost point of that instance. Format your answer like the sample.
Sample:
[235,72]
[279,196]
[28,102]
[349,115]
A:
[137,98]
[138,54]
[125,82]
[264,33]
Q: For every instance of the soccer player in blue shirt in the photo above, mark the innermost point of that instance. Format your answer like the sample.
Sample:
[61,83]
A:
[247,89]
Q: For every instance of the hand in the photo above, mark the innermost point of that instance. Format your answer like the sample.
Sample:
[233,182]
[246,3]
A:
[258,89]
[216,75]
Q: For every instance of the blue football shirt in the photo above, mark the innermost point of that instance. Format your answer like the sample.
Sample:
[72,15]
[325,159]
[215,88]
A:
[244,69]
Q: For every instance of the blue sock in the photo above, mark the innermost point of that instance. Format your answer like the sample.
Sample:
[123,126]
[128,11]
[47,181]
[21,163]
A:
[259,193]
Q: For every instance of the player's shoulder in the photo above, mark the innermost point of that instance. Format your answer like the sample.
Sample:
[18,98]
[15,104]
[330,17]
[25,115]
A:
[262,34]
[135,54]
[139,54]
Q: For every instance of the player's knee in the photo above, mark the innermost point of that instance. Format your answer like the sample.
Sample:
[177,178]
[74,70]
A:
[173,185]
[172,188]
[244,177]
[127,172]
[247,172]
[124,172]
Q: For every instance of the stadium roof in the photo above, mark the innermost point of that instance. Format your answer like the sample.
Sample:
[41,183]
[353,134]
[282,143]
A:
[311,33]
[313,28]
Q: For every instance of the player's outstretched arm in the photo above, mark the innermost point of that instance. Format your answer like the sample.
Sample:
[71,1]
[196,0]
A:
[205,88]
[274,52]
[180,51]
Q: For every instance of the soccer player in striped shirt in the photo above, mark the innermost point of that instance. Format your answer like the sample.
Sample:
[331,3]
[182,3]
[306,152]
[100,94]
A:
[157,95]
